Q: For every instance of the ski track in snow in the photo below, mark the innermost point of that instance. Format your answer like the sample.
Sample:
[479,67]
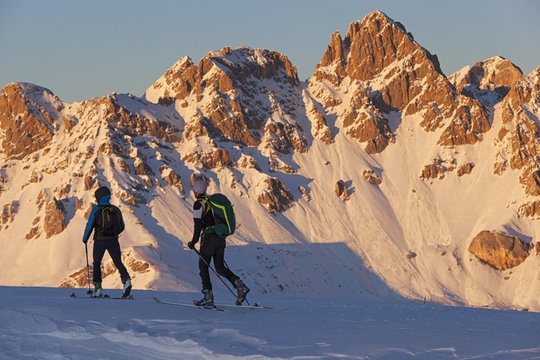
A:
[45,323]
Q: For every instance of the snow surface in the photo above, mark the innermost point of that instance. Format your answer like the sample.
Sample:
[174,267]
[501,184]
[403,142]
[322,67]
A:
[45,323]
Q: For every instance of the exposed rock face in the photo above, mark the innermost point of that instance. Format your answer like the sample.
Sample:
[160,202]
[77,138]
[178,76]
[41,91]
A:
[378,51]
[520,133]
[121,119]
[495,74]
[216,158]
[341,190]
[237,104]
[8,213]
[283,137]
[498,250]
[465,169]
[530,209]
[372,177]
[275,197]
[433,171]
[27,114]
[319,126]
[54,222]
[79,279]
[172,178]
[247,162]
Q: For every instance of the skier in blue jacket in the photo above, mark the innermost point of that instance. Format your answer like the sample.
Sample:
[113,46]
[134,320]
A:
[107,223]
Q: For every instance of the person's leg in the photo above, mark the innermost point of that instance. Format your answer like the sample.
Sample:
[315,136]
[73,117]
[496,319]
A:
[116,255]
[219,262]
[203,271]
[99,251]
[221,269]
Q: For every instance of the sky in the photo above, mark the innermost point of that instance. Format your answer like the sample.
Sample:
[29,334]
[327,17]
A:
[80,50]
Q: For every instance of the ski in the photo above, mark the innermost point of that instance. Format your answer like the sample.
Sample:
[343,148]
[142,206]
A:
[130,297]
[156,299]
[250,307]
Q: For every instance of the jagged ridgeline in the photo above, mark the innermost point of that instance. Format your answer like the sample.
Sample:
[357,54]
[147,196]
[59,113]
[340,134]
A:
[382,174]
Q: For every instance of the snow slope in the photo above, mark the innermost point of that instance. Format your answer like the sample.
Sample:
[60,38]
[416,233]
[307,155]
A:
[405,237]
[46,324]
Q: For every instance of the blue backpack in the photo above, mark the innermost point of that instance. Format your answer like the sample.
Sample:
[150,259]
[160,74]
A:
[223,213]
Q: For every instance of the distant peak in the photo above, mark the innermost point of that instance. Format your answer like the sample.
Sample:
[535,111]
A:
[383,19]
[377,15]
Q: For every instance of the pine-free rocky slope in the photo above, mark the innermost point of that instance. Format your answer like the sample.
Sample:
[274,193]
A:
[379,172]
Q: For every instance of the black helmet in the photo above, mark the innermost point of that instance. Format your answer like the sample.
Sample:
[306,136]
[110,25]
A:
[101,192]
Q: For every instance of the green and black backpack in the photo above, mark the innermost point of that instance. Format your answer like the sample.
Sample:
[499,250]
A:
[223,213]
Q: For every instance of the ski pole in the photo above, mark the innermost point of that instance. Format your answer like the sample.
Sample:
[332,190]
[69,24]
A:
[87,268]
[210,266]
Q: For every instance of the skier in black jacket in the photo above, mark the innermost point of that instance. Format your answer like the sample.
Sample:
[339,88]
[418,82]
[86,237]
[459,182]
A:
[212,246]
[106,241]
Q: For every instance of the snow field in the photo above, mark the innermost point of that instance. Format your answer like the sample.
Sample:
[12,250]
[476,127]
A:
[45,323]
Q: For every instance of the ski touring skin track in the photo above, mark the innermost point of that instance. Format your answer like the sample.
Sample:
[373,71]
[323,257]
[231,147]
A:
[215,308]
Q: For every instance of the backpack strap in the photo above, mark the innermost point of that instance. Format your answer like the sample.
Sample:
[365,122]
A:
[208,207]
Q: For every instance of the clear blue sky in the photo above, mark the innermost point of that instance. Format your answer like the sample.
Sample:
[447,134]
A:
[82,49]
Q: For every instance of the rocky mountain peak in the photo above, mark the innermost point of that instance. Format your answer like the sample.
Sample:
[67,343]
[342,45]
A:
[27,116]
[488,80]
[371,45]
[232,95]
[390,71]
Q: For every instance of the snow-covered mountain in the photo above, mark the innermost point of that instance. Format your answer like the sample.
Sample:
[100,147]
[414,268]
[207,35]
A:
[378,176]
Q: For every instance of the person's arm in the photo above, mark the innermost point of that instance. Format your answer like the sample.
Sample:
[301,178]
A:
[198,223]
[90,224]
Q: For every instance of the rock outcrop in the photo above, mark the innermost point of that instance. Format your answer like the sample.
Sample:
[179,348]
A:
[27,115]
[79,279]
[275,196]
[498,250]
[372,177]
[54,222]
[520,134]
[171,177]
[341,190]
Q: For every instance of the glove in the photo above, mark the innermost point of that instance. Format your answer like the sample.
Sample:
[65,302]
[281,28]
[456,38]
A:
[191,245]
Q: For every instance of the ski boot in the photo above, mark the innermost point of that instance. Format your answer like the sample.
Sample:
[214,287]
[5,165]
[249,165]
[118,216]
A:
[242,291]
[98,292]
[127,287]
[208,299]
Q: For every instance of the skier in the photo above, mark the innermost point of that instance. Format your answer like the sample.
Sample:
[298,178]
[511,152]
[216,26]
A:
[212,246]
[107,222]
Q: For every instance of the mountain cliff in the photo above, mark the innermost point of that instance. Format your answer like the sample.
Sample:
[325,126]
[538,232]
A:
[378,176]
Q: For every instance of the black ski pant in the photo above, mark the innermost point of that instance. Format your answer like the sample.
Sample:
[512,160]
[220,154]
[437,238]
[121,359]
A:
[113,247]
[213,247]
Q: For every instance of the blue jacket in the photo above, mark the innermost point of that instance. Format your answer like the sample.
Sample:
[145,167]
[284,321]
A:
[91,224]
